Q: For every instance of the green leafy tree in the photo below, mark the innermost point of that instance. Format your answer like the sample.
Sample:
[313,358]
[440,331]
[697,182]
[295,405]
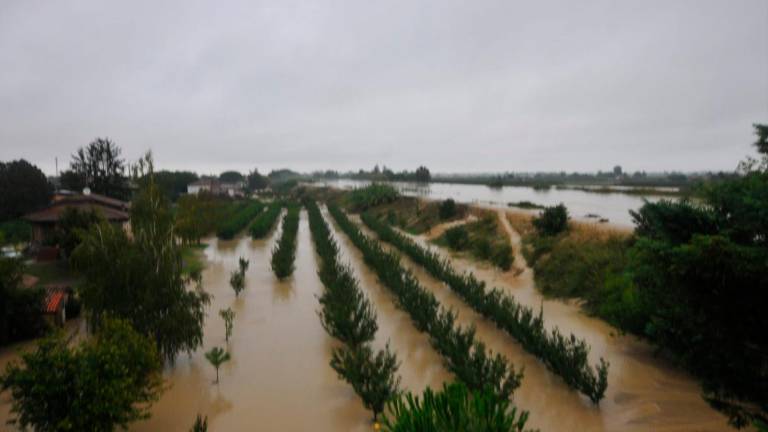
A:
[140,277]
[448,209]
[231,177]
[72,225]
[100,164]
[228,315]
[217,356]
[422,174]
[11,272]
[174,183]
[372,376]
[454,409]
[23,188]
[196,216]
[256,181]
[552,220]
[106,382]
[243,264]
[73,181]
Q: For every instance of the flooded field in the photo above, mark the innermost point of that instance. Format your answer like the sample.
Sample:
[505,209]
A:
[279,378]
[615,207]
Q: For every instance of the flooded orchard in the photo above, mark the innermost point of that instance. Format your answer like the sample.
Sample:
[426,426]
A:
[279,376]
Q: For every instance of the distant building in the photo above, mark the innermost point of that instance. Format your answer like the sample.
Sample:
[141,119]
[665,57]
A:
[216,187]
[45,221]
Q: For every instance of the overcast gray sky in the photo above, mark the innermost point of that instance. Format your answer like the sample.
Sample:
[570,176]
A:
[456,85]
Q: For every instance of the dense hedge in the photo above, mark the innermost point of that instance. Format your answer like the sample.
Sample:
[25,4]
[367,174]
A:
[264,223]
[239,220]
[462,353]
[565,356]
[347,315]
[284,252]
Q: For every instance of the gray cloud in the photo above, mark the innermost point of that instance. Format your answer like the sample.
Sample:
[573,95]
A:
[459,86]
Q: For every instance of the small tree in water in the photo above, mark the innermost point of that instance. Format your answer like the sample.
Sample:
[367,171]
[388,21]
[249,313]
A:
[201,424]
[243,264]
[229,316]
[217,356]
[373,378]
[237,281]
[552,220]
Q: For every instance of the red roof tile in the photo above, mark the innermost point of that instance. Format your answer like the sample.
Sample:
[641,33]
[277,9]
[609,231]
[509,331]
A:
[54,298]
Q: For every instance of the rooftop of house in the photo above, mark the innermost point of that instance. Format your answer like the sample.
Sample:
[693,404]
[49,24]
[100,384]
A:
[111,209]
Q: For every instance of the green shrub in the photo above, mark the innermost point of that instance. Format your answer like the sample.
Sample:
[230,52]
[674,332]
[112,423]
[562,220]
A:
[238,221]
[15,231]
[565,356]
[264,222]
[552,220]
[372,376]
[457,238]
[447,209]
[454,409]
[371,196]
[462,353]
[284,253]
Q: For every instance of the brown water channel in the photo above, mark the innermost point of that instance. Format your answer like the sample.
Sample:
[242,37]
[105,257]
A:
[279,378]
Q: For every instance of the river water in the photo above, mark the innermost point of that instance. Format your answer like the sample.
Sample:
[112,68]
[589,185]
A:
[613,206]
[279,378]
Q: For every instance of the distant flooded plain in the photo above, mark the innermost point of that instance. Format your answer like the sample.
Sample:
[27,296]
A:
[279,378]
[613,206]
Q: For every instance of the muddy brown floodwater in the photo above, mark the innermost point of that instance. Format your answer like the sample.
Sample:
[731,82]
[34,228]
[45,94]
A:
[279,378]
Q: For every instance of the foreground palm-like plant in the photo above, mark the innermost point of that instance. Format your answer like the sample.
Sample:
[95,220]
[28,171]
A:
[217,356]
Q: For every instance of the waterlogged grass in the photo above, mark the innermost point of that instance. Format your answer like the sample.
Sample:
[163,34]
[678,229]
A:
[192,259]
[284,253]
[463,354]
[239,220]
[565,356]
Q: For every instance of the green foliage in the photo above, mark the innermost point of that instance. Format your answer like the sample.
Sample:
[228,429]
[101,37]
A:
[217,356]
[23,188]
[284,253]
[71,227]
[565,356]
[454,409]
[238,221]
[552,220]
[346,313]
[197,215]
[106,382]
[15,232]
[228,315]
[371,196]
[264,222]
[99,163]
[348,316]
[457,238]
[761,130]
[448,209]
[242,264]
[462,353]
[372,376]
[201,424]
[526,205]
[237,282]
[256,181]
[20,316]
[140,278]
[422,174]
[174,183]
[482,239]
[231,177]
